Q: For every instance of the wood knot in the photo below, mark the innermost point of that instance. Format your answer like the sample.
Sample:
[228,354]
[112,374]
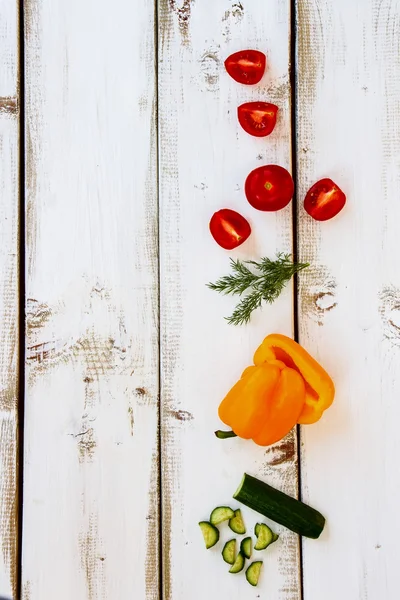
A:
[181,415]
[325,301]
[390,312]
[318,293]
[209,66]
[8,106]
[282,453]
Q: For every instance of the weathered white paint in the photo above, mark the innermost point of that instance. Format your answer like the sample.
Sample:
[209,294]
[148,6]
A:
[204,160]
[91,469]
[9,330]
[349,129]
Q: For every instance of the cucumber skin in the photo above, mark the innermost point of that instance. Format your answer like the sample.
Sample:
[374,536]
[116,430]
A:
[220,509]
[212,528]
[249,572]
[240,559]
[225,551]
[246,542]
[280,507]
[237,515]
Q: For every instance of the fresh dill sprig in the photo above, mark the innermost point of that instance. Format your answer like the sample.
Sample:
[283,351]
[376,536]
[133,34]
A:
[263,284]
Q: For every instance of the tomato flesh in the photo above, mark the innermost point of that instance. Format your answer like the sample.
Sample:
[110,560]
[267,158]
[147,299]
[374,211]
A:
[324,200]
[258,118]
[269,188]
[246,66]
[229,229]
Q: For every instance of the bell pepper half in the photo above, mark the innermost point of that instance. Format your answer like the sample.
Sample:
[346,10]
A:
[320,389]
[285,386]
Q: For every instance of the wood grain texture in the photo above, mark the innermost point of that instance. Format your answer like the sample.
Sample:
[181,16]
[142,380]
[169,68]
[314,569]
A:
[91,458]
[204,160]
[9,303]
[349,130]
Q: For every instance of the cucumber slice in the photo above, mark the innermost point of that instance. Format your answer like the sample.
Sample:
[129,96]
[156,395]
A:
[229,552]
[236,522]
[210,533]
[220,514]
[238,564]
[280,507]
[246,547]
[265,536]
[253,572]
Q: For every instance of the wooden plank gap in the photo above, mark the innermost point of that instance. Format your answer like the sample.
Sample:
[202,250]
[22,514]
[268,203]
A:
[20,108]
[157,19]
[295,240]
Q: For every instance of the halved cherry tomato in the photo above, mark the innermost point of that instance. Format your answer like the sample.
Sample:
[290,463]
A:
[258,118]
[229,229]
[324,200]
[269,188]
[246,66]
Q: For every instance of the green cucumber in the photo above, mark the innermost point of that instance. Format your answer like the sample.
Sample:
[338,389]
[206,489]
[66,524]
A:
[265,536]
[236,522]
[280,507]
[246,547]
[220,514]
[210,533]
[253,572]
[229,552]
[238,564]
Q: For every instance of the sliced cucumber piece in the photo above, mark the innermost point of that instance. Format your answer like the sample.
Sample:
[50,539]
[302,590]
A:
[236,522]
[238,564]
[257,531]
[253,572]
[220,514]
[265,536]
[210,533]
[229,552]
[246,547]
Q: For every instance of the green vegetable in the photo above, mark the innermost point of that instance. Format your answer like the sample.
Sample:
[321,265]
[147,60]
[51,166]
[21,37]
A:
[279,507]
[253,572]
[265,536]
[224,435]
[238,564]
[229,552]
[263,286]
[210,533]
[220,514]
[246,547]
[236,523]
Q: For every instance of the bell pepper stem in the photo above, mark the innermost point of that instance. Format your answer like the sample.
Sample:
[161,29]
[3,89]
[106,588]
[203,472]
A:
[224,435]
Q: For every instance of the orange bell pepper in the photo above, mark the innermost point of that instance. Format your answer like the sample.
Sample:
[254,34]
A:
[320,389]
[284,387]
[265,403]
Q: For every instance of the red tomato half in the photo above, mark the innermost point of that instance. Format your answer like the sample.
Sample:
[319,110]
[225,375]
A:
[246,66]
[324,200]
[258,118]
[229,229]
[269,188]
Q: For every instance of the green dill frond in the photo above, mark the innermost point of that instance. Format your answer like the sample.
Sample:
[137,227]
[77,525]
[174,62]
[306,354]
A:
[263,284]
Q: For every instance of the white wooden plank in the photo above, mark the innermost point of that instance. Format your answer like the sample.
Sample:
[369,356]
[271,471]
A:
[91,468]
[348,129]
[9,313]
[204,160]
